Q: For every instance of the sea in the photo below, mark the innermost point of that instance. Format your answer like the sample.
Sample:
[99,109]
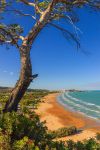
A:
[85,102]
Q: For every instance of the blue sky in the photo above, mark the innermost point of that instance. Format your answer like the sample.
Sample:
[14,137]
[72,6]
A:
[57,60]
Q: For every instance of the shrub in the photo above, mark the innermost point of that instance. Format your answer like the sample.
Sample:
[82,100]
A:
[62,132]
[91,144]
[98,136]
[4,141]
[27,124]
[23,130]
[79,145]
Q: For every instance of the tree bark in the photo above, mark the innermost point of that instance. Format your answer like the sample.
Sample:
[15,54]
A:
[26,67]
[26,76]
[24,81]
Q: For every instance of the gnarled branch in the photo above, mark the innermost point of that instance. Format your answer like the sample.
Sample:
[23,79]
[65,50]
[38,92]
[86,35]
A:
[32,4]
[13,40]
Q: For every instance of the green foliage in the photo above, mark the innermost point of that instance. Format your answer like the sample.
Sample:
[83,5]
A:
[15,28]
[71,145]
[44,4]
[24,144]
[92,145]
[4,140]
[9,34]
[62,132]
[23,130]
[3,98]
[31,99]
[2,4]
[98,136]
[79,145]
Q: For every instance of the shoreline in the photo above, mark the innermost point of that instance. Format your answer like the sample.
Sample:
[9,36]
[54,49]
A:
[56,116]
[95,123]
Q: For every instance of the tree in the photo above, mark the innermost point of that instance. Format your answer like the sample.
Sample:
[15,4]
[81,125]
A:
[45,12]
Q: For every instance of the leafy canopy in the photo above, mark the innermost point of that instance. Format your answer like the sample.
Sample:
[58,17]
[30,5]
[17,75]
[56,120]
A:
[56,10]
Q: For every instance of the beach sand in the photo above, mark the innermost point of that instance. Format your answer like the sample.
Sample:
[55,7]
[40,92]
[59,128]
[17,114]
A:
[56,116]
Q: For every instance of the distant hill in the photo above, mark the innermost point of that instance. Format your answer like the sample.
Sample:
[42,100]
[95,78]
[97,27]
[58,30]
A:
[5,89]
[8,89]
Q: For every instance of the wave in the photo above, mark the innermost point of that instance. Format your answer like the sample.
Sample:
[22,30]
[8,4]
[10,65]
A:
[78,100]
[80,106]
[77,105]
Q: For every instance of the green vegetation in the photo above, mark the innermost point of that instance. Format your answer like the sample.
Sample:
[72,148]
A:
[20,130]
[98,137]
[23,130]
[63,132]
[31,98]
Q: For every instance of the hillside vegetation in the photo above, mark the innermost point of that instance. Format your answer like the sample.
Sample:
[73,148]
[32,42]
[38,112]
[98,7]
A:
[23,130]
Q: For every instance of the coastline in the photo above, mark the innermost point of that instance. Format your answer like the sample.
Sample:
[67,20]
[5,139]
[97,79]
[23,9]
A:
[89,122]
[56,116]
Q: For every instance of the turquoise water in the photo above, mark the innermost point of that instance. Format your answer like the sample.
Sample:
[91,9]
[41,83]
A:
[87,102]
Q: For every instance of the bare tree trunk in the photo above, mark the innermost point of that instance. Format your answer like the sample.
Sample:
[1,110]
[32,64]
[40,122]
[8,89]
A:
[23,82]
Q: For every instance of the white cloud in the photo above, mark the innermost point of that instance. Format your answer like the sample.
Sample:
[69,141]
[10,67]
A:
[11,73]
[5,71]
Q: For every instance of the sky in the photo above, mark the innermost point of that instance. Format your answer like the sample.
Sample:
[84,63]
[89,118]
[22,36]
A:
[57,61]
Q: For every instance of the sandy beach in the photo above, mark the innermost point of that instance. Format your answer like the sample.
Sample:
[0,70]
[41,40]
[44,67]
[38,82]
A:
[56,116]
